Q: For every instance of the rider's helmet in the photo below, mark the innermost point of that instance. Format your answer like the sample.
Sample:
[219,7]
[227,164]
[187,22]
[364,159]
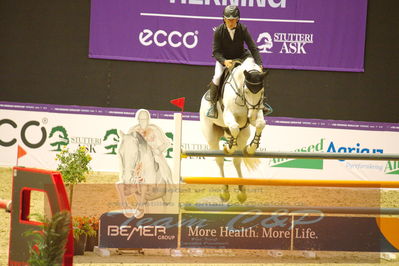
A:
[231,12]
[143,118]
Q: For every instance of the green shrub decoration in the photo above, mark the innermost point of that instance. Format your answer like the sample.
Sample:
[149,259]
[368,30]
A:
[74,165]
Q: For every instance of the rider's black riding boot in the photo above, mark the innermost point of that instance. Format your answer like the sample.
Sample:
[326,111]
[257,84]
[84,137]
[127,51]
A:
[213,95]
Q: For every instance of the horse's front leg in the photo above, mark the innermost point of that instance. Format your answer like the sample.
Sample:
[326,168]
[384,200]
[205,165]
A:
[141,200]
[234,129]
[259,123]
[123,192]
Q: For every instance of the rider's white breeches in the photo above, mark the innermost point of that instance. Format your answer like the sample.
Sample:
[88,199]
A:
[218,73]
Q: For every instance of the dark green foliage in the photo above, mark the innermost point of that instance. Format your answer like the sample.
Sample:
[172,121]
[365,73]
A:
[48,244]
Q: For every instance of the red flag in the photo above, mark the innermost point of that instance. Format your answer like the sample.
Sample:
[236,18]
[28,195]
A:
[179,102]
[21,152]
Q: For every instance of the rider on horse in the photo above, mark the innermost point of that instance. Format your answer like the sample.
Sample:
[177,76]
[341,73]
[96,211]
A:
[228,44]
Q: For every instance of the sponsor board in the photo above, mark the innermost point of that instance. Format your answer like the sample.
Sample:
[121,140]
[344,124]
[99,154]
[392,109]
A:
[151,231]
[43,130]
[293,231]
[251,230]
[291,34]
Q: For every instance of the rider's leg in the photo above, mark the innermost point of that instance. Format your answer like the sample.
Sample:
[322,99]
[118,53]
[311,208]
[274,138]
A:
[213,90]
[266,107]
[213,95]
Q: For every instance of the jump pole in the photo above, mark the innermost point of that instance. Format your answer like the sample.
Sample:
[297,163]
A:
[295,155]
[290,182]
[6,205]
[299,209]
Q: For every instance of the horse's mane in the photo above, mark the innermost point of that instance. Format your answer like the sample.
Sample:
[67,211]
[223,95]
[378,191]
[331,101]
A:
[250,64]
[141,140]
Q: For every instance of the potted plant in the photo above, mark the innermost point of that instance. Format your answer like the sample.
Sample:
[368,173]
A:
[81,230]
[47,246]
[73,167]
[92,239]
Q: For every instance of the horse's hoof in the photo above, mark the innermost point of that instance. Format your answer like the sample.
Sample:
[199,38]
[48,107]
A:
[225,196]
[228,150]
[242,197]
[245,151]
[138,214]
[249,150]
[129,213]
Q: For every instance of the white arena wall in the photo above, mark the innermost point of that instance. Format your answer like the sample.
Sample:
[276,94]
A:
[41,130]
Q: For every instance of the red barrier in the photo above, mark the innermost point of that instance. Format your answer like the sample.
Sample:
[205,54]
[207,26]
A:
[26,180]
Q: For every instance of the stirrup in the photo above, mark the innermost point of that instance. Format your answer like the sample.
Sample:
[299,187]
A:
[267,109]
[212,112]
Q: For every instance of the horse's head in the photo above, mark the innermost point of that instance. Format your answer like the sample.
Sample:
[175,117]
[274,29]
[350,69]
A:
[253,90]
[129,154]
[254,80]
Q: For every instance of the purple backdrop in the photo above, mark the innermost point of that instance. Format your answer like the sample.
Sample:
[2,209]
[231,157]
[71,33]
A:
[293,34]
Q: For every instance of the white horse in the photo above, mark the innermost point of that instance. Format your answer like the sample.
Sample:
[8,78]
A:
[240,106]
[139,174]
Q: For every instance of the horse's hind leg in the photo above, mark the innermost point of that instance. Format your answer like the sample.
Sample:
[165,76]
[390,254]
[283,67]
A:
[242,195]
[225,195]
[212,135]
[241,142]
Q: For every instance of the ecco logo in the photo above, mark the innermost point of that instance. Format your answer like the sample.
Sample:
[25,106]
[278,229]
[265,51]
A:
[11,141]
[175,38]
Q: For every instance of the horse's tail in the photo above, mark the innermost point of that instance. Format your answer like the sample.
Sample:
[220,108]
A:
[251,163]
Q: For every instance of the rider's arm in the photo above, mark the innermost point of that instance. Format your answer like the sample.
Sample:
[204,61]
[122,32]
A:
[217,46]
[252,46]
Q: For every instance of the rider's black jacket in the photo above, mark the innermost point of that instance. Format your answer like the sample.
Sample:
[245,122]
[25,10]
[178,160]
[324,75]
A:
[225,48]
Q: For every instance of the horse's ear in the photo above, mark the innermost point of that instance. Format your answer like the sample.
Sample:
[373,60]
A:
[246,74]
[264,74]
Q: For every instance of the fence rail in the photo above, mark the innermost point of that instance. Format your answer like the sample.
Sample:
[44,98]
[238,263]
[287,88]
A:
[291,182]
[294,155]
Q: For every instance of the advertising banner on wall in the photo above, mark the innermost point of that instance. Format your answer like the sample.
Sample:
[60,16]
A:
[290,34]
[153,231]
[43,130]
[288,232]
